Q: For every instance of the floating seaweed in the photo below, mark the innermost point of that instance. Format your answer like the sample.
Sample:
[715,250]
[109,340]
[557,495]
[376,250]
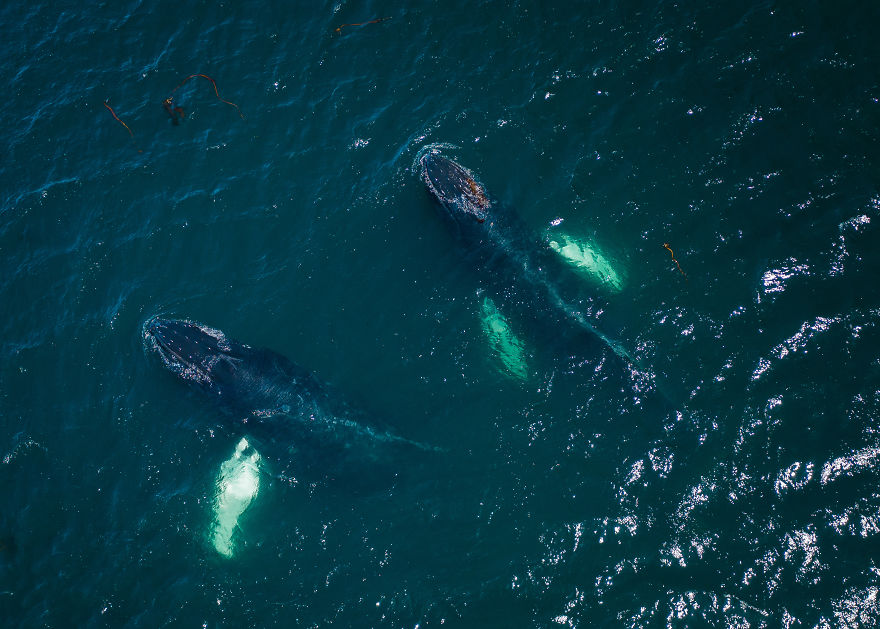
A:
[666,246]
[113,113]
[376,21]
[175,111]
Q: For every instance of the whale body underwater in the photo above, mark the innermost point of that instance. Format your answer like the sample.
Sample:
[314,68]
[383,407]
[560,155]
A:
[271,398]
[507,254]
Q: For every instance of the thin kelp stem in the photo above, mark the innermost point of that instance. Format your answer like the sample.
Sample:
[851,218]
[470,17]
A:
[119,120]
[666,246]
[113,113]
[376,21]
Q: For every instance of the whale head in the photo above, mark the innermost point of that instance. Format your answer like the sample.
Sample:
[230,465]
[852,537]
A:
[455,188]
[243,380]
[190,350]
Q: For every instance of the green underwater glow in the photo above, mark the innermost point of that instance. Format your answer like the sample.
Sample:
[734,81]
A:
[587,258]
[504,343]
[237,485]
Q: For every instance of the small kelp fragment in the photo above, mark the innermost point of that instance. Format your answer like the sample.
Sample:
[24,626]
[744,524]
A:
[237,485]
[113,113]
[503,341]
[376,21]
[666,246]
[586,257]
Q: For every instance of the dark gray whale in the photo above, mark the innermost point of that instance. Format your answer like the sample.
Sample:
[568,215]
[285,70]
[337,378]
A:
[506,252]
[273,398]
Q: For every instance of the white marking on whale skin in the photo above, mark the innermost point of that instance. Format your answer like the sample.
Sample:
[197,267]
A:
[217,335]
[177,366]
[175,363]
[238,484]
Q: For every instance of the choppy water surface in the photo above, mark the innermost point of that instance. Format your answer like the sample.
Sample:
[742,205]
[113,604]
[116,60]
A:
[561,493]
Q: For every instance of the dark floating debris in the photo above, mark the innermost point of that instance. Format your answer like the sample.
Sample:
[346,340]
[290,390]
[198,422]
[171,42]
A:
[666,246]
[376,21]
[175,112]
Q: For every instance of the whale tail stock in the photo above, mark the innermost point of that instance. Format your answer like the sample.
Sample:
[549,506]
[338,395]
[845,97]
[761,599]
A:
[642,378]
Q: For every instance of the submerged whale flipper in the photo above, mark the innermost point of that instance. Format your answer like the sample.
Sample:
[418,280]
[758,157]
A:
[236,487]
[506,346]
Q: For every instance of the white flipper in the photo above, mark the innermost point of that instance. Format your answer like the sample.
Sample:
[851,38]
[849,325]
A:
[237,485]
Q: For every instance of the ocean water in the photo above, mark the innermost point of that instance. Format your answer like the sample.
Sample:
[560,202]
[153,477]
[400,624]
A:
[743,138]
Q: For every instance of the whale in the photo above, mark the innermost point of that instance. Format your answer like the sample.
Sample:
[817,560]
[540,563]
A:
[510,259]
[281,409]
[273,400]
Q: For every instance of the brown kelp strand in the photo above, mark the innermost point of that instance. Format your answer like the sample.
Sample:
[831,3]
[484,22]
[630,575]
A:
[120,121]
[666,246]
[376,21]
[175,111]
[113,113]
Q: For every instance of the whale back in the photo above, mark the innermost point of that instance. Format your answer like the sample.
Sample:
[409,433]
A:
[272,398]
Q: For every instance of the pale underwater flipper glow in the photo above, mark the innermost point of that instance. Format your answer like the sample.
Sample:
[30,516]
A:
[587,258]
[237,485]
[504,343]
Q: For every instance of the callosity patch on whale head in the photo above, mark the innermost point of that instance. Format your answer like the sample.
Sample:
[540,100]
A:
[454,187]
[186,348]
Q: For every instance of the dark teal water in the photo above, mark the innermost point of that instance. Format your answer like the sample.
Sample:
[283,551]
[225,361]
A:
[744,138]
